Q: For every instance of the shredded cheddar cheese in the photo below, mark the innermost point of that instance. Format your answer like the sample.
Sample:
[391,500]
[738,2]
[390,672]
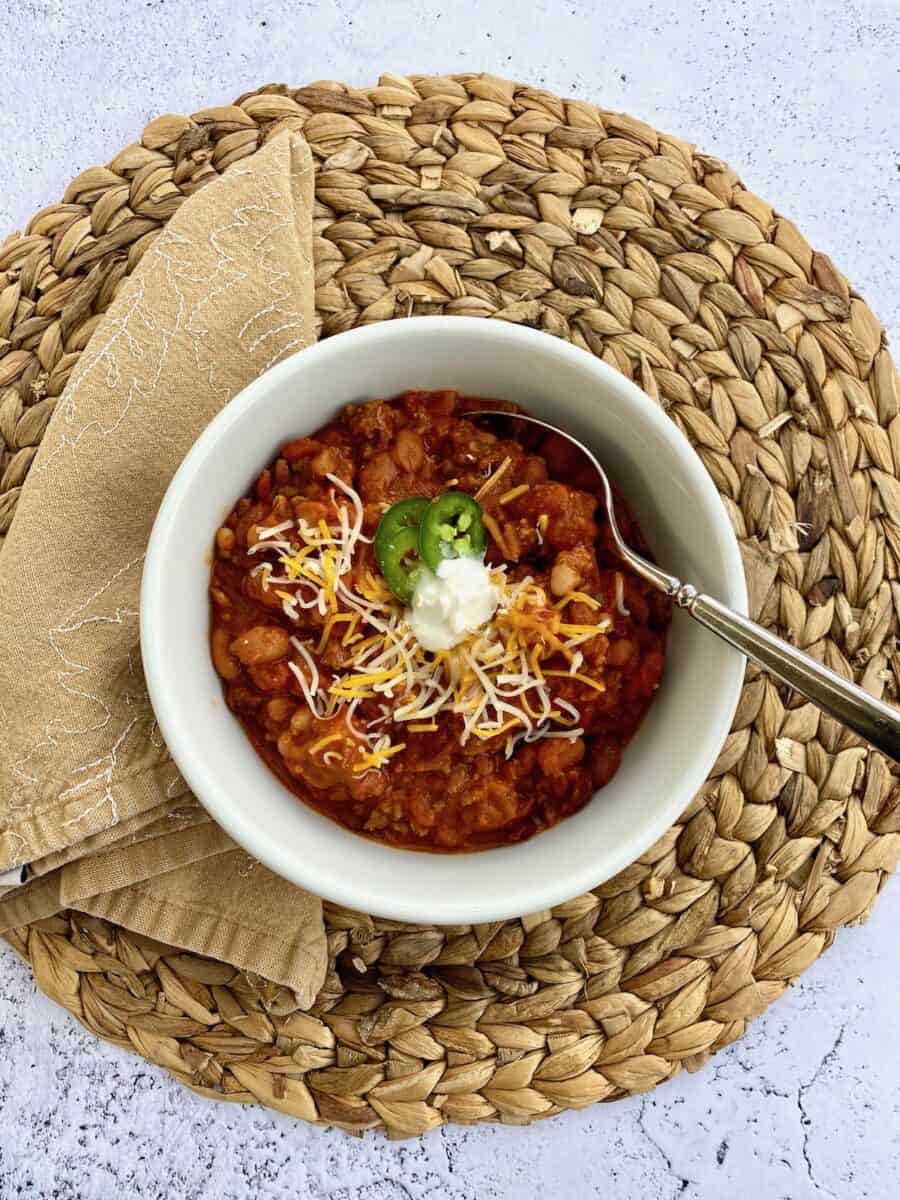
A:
[492,479]
[325,741]
[514,493]
[586,679]
[377,757]
[494,530]
[581,597]
[333,620]
[496,682]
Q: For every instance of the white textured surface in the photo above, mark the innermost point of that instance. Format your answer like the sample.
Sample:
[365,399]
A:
[803,100]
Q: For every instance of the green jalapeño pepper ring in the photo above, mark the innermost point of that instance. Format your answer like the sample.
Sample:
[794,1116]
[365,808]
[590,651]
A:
[396,545]
[451,527]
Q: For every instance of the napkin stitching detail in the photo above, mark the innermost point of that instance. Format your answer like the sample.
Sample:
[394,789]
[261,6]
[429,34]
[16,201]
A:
[193,909]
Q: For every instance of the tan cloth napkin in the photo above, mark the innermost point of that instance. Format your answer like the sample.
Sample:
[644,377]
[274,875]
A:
[167,817]
[88,792]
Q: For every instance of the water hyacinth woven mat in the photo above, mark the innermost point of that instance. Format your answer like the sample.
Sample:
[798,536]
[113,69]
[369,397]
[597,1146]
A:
[473,195]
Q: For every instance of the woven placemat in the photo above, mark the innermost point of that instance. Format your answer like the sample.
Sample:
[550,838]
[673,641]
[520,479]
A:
[478,196]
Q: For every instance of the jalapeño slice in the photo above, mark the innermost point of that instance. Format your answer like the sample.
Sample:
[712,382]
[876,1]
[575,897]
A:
[451,527]
[396,545]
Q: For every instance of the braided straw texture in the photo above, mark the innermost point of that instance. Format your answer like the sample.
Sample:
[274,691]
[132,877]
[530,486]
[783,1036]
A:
[478,196]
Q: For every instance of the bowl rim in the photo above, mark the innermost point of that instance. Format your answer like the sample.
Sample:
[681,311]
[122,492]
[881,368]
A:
[199,774]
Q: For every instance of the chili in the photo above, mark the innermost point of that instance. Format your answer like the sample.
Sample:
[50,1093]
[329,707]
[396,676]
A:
[274,644]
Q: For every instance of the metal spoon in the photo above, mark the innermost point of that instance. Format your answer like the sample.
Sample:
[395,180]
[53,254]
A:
[873,720]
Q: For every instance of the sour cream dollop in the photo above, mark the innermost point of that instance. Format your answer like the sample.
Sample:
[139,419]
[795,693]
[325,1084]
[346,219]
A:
[451,603]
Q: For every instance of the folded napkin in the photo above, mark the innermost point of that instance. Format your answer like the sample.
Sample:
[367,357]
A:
[92,808]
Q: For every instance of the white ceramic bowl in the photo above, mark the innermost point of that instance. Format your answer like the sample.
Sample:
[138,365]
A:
[669,492]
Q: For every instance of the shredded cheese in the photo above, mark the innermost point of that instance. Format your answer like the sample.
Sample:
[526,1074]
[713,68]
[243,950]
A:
[586,679]
[581,597]
[333,620]
[270,531]
[377,758]
[514,493]
[496,683]
[494,478]
[325,741]
[494,530]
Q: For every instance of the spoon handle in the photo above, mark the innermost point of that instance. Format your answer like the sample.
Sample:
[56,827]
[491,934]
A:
[872,719]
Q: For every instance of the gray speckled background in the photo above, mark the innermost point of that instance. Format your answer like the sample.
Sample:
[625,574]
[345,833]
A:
[803,99]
